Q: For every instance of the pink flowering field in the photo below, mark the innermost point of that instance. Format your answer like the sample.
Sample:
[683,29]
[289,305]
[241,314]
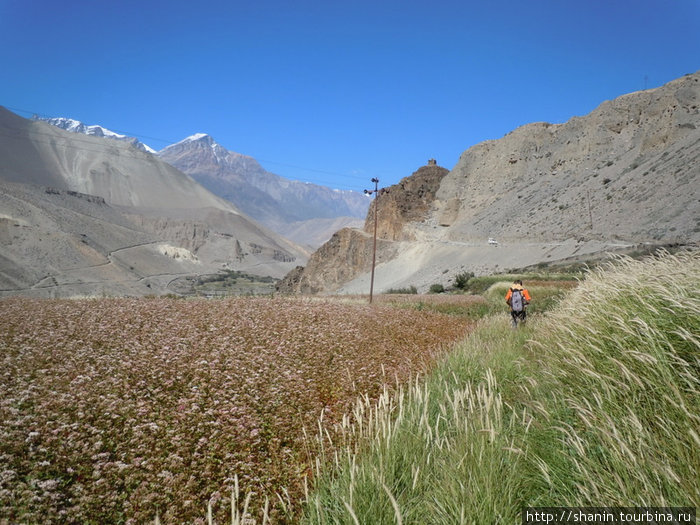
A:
[115,410]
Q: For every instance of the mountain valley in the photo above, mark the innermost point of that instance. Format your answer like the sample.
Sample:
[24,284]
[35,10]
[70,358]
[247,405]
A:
[305,213]
[84,215]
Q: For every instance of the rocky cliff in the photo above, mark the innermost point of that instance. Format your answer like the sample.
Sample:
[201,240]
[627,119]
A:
[349,251]
[408,201]
[346,255]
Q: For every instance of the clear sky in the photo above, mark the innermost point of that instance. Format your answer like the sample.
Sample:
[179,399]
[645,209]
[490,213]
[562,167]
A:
[337,92]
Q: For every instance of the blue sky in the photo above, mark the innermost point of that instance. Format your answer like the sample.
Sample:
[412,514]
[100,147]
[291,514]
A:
[337,92]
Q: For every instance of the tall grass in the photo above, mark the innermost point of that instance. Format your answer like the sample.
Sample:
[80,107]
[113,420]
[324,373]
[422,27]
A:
[627,362]
[594,405]
[442,449]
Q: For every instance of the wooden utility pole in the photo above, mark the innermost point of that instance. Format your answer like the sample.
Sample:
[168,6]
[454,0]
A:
[374,247]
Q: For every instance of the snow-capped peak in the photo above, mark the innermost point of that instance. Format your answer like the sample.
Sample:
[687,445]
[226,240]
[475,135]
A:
[75,126]
[203,137]
[196,136]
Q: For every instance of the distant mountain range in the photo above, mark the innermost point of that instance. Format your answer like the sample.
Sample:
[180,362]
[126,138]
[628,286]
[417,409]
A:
[305,213]
[294,209]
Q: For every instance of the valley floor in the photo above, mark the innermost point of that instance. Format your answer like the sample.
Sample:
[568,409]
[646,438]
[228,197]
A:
[423,264]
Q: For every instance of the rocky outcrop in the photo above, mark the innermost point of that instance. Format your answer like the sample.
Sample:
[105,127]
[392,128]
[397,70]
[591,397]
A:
[191,235]
[408,201]
[90,198]
[346,255]
[291,283]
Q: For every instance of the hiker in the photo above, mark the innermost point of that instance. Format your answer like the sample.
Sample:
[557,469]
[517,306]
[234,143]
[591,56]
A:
[517,298]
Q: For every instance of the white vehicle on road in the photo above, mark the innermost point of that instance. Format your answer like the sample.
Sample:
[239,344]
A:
[493,242]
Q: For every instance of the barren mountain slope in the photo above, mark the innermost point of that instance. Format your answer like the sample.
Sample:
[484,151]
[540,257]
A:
[627,171]
[626,174]
[59,242]
[307,214]
[39,153]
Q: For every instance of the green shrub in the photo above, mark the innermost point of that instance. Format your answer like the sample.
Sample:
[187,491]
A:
[437,288]
[411,290]
[462,280]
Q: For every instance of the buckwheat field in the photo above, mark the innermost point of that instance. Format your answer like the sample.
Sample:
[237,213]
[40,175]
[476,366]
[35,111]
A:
[121,410]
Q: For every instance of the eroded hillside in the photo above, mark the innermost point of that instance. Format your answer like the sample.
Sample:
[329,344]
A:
[628,171]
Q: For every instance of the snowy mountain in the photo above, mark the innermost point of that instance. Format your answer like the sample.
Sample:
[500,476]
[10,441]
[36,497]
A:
[76,126]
